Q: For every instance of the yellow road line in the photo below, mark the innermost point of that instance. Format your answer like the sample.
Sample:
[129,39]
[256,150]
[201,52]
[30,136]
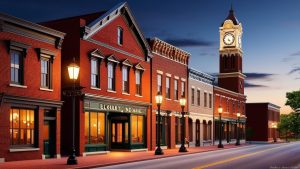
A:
[236,158]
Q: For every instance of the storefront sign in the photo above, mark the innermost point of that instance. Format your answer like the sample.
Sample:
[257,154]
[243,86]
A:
[100,106]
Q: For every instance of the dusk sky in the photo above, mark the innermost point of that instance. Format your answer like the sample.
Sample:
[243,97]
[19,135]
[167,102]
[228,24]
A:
[271,39]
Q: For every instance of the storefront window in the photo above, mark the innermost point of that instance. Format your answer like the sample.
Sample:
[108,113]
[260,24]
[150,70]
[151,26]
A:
[177,130]
[94,128]
[137,132]
[21,127]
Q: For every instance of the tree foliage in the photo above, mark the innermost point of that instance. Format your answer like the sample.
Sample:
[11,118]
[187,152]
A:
[293,99]
[290,123]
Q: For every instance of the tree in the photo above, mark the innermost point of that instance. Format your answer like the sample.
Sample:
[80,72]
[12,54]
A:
[294,123]
[284,125]
[293,99]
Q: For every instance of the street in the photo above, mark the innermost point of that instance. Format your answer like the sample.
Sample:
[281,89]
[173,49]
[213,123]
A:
[259,156]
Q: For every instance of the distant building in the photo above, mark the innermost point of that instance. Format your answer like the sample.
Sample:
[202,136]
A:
[262,122]
[201,104]
[30,90]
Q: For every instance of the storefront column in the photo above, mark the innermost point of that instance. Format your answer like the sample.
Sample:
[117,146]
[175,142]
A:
[4,130]
[58,125]
[187,127]
[193,143]
[172,131]
[40,119]
[201,132]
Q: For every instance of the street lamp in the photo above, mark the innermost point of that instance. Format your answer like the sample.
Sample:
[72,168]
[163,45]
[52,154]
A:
[274,126]
[220,111]
[182,104]
[158,99]
[237,129]
[73,71]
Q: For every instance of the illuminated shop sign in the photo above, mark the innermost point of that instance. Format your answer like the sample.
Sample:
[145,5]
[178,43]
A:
[100,106]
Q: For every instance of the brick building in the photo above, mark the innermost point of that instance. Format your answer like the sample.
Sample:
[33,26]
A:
[114,59]
[229,93]
[201,104]
[170,78]
[30,102]
[262,122]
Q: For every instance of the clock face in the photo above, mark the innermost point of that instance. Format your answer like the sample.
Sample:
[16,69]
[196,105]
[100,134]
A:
[228,39]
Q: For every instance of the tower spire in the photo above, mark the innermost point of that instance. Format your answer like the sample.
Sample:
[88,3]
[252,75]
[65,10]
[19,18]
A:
[231,7]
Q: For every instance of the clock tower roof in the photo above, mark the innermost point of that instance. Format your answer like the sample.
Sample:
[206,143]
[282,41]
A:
[231,17]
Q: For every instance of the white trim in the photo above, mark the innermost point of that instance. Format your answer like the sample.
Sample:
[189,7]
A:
[193,87]
[43,157]
[168,99]
[125,93]
[138,150]
[45,89]
[95,88]
[179,145]
[176,77]
[58,156]
[183,79]
[160,72]
[2,160]
[16,85]
[111,91]
[138,95]
[12,150]
[168,74]
[162,147]
[94,153]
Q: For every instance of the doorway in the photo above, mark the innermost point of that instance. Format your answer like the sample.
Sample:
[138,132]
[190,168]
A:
[49,138]
[119,132]
[197,133]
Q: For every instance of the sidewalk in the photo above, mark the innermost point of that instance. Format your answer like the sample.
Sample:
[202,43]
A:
[103,160]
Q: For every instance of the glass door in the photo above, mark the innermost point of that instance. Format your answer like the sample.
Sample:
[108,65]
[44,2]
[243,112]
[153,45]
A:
[119,135]
[49,138]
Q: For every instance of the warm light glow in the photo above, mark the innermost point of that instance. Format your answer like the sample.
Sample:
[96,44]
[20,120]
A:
[182,101]
[158,99]
[238,114]
[220,110]
[73,71]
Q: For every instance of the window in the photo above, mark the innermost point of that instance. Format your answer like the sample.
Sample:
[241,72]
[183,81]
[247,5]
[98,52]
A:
[16,67]
[182,89]
[45,73]
[198,97]
[137,129]
[205,99]
[125,79]
[95,82]
[164,130]
[193,96]
[176,89]
[120,36]
[168,89]
[111,76]
[22,127]
[138,82]
[159,84]
[94,128]
[210,100]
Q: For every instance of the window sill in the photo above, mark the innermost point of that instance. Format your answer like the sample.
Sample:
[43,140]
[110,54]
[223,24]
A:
[45,89]
[12,150]
[168,99]
[17,85]
[176,100]
[95,88]
[111,91]
[138,95]
[126,94]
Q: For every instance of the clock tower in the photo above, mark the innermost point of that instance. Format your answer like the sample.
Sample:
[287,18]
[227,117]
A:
[231,75]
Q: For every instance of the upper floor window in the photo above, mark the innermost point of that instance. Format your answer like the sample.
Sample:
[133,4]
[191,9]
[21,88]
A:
[168,89]
[182,89]
[176,89]
[22,128]
[95,78]
[193,96]
[138,82]
[205,99]
[210,100]
[16,67]
[159,84]
[111,76]
[45,73]
[198,97]
[120,36]
[125,79]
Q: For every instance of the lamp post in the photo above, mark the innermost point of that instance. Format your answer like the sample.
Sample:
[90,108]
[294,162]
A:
[237,129]
[73,71]
[182,104]
[220,111]
[158,99]
[274,126]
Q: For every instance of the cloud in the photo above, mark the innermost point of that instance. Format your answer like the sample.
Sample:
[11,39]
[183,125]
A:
[295,54]
[188,42]
[252,76]
[291,57]
[294,70]
[252,85]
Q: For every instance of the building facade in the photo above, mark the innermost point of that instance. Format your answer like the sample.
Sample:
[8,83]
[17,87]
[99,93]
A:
[30,102]
[201,106]
[114,112]
[169,78]
[262,122]
[229,93]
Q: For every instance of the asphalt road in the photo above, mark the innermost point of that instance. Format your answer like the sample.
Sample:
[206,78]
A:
[266,156]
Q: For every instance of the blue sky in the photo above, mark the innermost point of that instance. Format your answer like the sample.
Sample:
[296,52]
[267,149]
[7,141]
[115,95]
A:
[271,39]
